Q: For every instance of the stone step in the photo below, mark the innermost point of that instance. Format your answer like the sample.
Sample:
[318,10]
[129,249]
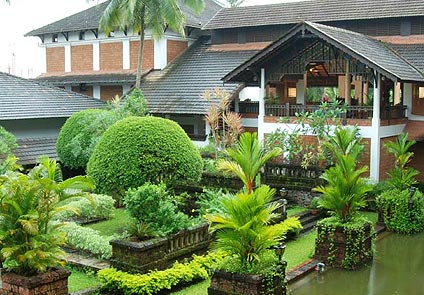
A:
[84,261]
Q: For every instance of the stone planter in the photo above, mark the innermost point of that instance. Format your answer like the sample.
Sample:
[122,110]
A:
[54,282]
[224,283]
[342,247]
[159,253]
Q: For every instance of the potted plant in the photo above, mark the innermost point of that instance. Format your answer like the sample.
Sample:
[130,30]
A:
[243,227]
[344,240]
[30,236]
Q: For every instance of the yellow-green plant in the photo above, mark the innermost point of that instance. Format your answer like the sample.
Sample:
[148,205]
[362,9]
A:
[248,157]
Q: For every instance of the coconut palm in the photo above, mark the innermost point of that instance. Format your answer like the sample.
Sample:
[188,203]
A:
[248,157]
[156,15]
[345,190]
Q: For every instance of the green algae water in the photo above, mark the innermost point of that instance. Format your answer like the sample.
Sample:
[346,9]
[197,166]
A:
[397,268]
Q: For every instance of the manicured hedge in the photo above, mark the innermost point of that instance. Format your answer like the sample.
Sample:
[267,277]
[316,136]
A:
[80,134]
[136,150]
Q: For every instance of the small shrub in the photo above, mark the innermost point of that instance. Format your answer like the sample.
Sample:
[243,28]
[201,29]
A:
[403,210]
[134,104]
[7,144]
[155,282]
[100,206]
[290,227]
[210,201]
[80,134]
[151,204]
[88,240]
[136,150]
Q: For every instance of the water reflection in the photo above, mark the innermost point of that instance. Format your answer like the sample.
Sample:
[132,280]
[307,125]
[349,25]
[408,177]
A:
[398,268]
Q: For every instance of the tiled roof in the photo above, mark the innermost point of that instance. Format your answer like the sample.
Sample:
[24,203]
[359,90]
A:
[30,149]
[179,88]
[315,11]
[60,79]
[367,50]
[26,99]
[413,53]
[89,19]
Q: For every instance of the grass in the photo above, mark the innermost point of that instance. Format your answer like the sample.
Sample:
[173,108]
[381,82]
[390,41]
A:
[197,289]
[295,210]
[114,225]
[80,280]
[300,250]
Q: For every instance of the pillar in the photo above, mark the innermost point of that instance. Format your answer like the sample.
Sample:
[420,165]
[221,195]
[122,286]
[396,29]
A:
[375,137]
[261,107]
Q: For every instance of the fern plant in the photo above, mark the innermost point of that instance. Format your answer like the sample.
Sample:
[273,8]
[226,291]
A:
[30,238]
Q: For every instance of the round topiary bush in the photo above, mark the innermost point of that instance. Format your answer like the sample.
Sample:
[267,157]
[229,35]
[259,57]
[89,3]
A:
[136,150]
[80,134]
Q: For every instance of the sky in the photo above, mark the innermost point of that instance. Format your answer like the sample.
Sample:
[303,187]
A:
[21,55]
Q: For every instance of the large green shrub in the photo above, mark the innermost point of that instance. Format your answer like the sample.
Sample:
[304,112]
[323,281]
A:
[80,134]
[403,210]
[150,204]
[7,144]
[136,150]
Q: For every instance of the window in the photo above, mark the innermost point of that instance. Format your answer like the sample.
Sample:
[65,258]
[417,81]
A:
[291,92]
[421,92]
[55,38]
[82,35]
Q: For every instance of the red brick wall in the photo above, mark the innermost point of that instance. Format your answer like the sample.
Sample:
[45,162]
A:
[365,158]
[55,58]
[175,48]
[88,91]
[82,58]
[111,56]
[148,54]
[386,160]
[417,161]
[109,92]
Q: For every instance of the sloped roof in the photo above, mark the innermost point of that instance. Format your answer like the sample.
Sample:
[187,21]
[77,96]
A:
[315,11]
[125,76]
[367,50]
[89,19]
[413,53]
[25,99]
[179,88]
[29,149]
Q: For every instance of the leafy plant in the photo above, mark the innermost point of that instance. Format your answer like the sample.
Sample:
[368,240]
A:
[133,104]
[7,144]
[99,206]
[403,210]
[345,190]
[401,177]
[136,150]
[242,226]
[150,204]
[87,240]
[290,226]
[30,239]
[248,157]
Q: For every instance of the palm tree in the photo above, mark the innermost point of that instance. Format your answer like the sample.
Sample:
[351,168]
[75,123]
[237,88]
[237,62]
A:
[141,14]
[248,159]
[345,189]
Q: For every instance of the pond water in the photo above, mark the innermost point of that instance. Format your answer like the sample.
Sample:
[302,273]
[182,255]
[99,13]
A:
[397,268]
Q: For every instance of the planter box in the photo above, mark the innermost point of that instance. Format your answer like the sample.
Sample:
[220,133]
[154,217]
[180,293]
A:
[159,253]
[344,248]
[224,283]
[52,283]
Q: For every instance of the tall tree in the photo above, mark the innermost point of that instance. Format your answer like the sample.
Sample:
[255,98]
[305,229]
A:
[156,15]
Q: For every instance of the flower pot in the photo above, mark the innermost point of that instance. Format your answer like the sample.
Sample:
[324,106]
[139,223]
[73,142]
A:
[54,282]
[224,283]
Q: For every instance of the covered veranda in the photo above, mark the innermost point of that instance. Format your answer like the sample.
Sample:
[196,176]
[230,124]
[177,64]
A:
[373,81]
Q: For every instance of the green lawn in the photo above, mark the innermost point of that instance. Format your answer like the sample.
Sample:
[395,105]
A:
[81,280]
[295,210]
[113,226]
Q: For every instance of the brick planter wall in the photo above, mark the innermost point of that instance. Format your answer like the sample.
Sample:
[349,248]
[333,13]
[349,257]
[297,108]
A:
[223,283]
[332,249]
[51,283]
[159,253]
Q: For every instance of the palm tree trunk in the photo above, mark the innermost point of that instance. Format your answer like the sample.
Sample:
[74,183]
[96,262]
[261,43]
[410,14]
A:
[140,51]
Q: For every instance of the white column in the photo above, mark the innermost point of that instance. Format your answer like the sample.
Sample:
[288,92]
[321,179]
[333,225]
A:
[236,105]
[160,54]
[126,54]
[43,58]
[96,91]
[68,58]
[407,98]
[96,56]
[261,107]
[375,138]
